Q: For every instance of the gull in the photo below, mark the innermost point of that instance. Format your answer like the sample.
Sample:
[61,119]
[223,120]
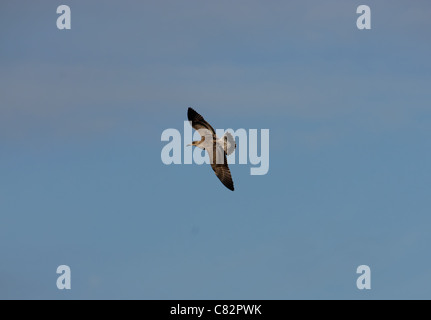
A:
[217,148]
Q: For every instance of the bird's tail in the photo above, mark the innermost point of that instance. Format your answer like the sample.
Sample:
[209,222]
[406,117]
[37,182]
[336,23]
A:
[229,144]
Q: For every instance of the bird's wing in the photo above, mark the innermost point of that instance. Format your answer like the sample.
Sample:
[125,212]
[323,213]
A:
[198,122]
[219,164]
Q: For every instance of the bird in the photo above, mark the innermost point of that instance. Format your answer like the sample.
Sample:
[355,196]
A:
[217,149]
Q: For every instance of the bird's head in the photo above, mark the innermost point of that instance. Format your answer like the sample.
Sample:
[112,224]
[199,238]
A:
[194,143]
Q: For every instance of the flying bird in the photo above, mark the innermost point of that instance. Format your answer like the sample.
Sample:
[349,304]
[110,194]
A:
[217,148]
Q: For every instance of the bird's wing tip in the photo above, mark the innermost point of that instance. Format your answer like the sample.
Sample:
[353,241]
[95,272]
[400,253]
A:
[230,187]
[191,113]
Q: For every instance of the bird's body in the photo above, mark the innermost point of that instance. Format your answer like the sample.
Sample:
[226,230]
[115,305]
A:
[205,143]
[217,148]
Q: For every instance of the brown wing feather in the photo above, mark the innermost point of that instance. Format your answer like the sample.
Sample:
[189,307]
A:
[221,169]
[198,122]
[223,173]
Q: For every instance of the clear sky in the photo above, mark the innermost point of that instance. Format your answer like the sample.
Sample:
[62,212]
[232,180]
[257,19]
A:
[82,182]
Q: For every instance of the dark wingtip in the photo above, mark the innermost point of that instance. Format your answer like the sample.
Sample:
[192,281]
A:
[191,113]
[228,184]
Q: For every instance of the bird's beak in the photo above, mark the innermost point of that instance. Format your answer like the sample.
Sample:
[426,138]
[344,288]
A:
[189,145]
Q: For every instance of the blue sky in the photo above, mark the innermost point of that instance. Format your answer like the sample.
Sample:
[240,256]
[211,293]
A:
[82,182]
